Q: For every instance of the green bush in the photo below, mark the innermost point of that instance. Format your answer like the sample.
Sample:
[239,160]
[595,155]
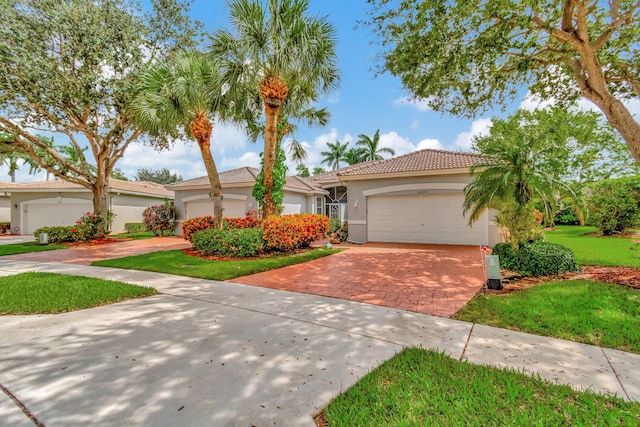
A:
[334,224]
[135,227]
[507,256]
[614,204]
[566,216]
[543,258]
[240,242]
[56,234]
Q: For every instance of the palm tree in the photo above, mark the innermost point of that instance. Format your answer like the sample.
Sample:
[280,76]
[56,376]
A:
[335,155]
[353,156]
[184,97]
[369,147]
[281,52]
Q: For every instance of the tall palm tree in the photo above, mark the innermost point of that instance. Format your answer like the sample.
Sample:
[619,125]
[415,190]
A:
[335,155]
[281,52]
[183,97]
[369,147]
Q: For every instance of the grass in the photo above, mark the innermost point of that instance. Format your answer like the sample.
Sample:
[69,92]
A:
[602,314]
[135,236]
[177,262]
[34,293]
[424,388]
[595,250]
[23,248]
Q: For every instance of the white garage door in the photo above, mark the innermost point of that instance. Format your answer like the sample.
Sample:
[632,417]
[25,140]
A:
[231,208]
[435,218]
[49,213]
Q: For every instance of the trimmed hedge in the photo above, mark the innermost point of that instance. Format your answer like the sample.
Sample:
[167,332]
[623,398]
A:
[193,225]
[135,227]
[239,242]
[57,234]
[289,232]
[536,258]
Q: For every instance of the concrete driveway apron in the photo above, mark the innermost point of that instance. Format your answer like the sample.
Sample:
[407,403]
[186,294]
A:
[430,279]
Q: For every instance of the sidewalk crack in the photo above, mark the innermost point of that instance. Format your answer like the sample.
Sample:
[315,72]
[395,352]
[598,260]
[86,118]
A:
[466,344]
[604,353]
[21,406]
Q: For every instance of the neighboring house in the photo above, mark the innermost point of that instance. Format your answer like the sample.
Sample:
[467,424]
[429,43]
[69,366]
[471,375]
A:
[51,203]
[414,198]
[5,205]
[193,196]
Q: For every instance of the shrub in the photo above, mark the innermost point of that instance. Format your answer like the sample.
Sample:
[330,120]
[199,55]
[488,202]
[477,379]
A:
[543,258]
[240,242]
[4,227]
[135,227]
[334,224]
[90,226]
[566,216]
[160,218]
[56,234]
[246,222]
[536,258]
[288,232]
[520,224]
[614,204]
[190,226]
[538,216]
[507,255]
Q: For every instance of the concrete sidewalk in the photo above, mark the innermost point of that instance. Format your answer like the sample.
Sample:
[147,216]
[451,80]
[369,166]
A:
[224,354]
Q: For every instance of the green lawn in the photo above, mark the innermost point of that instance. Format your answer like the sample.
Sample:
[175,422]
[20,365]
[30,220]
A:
[601,314]
[424,388]
[23,248]
[594,250]
[135,236]
[177,262]
[31,293]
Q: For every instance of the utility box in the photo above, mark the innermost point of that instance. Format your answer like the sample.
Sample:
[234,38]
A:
[494,280]
[43,239]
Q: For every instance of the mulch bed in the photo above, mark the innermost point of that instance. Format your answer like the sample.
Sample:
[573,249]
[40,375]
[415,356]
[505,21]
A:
[625,276]
[97,242]
[196,253]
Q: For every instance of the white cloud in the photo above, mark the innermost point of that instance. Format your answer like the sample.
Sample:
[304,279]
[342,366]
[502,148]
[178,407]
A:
[397,143]
[478,128]
[533,102]
[184,158]
[420,104]
[250,159]
[415,124]
[433,144]
[22,174]
[227,138]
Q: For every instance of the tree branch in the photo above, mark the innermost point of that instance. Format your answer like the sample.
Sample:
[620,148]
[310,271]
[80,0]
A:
[617,22]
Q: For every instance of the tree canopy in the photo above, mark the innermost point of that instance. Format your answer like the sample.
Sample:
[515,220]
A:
[465,57]
[159,176]
[70,68]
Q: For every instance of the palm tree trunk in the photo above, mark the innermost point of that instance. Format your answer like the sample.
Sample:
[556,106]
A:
[201,129]
[269,159]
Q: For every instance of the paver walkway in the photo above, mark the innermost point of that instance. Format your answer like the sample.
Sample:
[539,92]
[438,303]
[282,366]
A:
[430,279]
[86,254]
[206,353]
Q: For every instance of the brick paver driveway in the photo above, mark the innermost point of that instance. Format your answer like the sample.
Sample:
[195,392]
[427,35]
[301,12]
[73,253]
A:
[431,279]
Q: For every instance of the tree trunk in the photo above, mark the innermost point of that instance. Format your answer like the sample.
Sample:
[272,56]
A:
[201,129]
[101,198]
[269,159]
[621,119]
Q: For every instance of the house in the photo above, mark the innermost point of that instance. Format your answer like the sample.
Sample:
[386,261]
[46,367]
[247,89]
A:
[414,198]
[52,203]
[192,197]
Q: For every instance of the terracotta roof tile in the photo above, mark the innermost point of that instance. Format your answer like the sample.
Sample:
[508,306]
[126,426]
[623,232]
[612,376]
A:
[143,187]
[243,175]
[418,161]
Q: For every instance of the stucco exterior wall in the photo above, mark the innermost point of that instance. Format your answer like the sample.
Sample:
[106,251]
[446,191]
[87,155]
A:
[5,209]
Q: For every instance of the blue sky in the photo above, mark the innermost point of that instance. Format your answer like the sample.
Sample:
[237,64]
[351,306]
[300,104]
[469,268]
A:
[364,103]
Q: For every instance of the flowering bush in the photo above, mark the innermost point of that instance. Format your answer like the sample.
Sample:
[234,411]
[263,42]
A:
[192,225]
[90,226]
[56,234]
[246,222]
[289,232]
[160,218]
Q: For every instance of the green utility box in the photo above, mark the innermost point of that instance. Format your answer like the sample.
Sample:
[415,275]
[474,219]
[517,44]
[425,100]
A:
[494,280]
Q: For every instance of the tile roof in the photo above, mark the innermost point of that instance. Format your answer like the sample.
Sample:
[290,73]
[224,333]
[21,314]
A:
[141,187]
[243,175]
[332,176]
[418,161]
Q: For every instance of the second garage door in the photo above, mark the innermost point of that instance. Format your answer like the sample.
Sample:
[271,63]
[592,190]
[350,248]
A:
[53,212]
[433,218]
[230,208]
